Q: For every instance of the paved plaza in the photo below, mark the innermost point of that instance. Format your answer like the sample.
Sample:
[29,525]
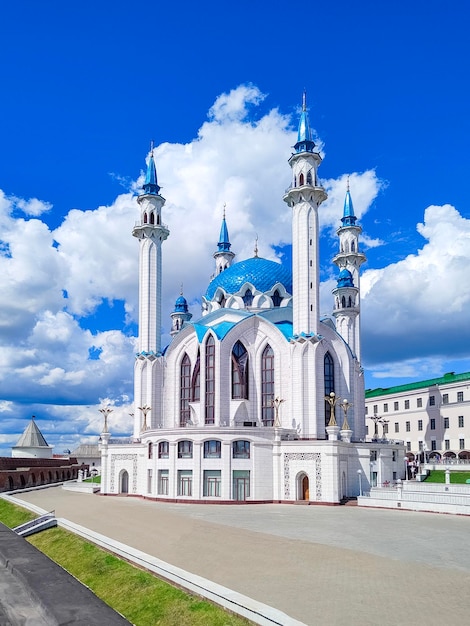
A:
[318,564]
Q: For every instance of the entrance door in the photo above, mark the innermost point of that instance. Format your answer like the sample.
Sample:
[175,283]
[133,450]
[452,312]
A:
[124,482]
[241,485]
[305,488]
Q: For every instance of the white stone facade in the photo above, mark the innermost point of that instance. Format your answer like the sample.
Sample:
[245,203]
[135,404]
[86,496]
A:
[235,408]
[433,415]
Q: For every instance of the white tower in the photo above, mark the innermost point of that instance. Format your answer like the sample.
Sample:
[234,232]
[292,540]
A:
[151,232]
[347,294]
[180,315]
[304,196]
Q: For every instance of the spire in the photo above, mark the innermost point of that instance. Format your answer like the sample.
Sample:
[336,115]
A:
[305,142]
[348,219]
[224,242]
[150,185]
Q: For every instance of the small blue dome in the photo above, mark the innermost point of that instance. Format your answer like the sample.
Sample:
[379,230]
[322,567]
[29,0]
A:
[181,305]
[261,273]
[345,279]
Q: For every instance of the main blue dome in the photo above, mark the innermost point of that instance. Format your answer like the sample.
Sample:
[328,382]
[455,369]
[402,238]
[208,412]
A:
[261,273]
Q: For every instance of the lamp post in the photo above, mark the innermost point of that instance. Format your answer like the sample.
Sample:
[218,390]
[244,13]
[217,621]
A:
[332,400]
[384,427]
[376,419]
[345,406]
[405,460]
[276,404]
[145,410]
[359,475]
[105,411]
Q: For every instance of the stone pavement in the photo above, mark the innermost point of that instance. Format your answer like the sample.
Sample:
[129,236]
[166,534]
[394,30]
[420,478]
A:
[320,565]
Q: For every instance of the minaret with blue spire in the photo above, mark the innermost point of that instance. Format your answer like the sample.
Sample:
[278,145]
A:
[223,255]
[180,315]
[304,196]
[347,293]
[151,232]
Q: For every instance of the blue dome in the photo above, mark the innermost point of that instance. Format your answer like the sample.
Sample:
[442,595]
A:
[345,279]
[181,305]
[261,273]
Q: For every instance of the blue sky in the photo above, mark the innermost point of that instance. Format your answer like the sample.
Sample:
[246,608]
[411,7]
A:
[86,86]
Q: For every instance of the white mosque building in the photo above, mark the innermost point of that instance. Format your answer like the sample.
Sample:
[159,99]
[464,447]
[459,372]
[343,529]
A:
[260,399]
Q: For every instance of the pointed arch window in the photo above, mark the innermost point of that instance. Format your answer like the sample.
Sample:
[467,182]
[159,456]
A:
[239,372]
[301,180]
[210,381]
[343,302]
[329,377]
[185,390]
[248,298]
[353,247]
[267,386]
[309,177]
[145,218]
[349,302]
[196,381]
[152,218]
[277,298]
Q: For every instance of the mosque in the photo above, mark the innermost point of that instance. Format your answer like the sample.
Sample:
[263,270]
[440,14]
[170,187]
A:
[259,400]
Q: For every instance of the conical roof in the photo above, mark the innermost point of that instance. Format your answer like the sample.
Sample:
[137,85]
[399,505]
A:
[32,437]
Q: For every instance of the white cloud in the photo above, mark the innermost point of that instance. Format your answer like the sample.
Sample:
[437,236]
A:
[419,306]
[33,206]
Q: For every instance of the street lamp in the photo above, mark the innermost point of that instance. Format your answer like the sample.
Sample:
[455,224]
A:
[276,404]
[405,460]
[345,406]
[105,411]
[145,409]
[376,419]
[332,400]
[359,475]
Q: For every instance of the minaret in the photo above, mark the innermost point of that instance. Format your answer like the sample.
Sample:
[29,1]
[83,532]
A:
[304,196]
[350,259]
[180,315]
[151,233]
[223,256]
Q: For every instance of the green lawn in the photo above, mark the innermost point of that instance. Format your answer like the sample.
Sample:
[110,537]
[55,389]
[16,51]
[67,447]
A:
[142,598]
[456,477]
[96,479]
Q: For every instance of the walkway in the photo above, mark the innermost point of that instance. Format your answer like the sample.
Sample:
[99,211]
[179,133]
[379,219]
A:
[320,565]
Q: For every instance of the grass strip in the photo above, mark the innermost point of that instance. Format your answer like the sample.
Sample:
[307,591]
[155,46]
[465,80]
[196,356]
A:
[141,597]
[456,477]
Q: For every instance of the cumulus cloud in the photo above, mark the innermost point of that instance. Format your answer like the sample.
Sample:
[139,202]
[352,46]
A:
[52,362]
[418,307]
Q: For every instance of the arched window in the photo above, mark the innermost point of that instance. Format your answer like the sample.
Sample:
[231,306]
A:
[248,298]
[349,302]
[353,247]
[212,449]
[196,382]
[241,449]
[329,375]
[277,298]
[185,390]
[150,450]
[210,381]
[145,218]
[309,177]
[158,219]
[301,180]
[152,218]
[343,302]
[163,450]
[295,181]
[239,372]
[267,386]
[185,449]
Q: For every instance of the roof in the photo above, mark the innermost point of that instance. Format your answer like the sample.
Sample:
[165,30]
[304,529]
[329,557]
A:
[32,437]
[260,273]
[447,379]
[87,449]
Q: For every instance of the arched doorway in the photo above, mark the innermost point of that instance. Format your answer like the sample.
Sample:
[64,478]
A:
[343,486]
[124,482]
[303,487]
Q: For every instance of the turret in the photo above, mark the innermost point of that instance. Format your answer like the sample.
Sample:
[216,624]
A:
[223,255]
[304,196]
[180,315]
[349,260]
